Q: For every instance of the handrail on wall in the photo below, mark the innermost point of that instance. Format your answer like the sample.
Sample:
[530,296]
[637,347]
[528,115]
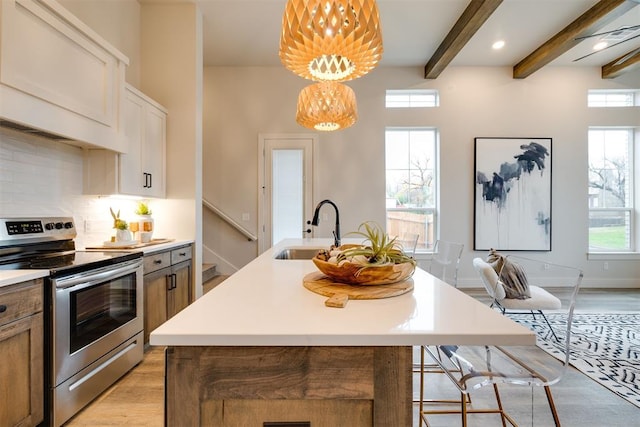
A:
[229,220]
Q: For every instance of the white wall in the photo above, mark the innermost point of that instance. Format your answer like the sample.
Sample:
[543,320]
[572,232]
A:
[242,102]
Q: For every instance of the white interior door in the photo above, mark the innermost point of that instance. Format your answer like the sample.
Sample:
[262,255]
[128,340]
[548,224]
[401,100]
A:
[287,187]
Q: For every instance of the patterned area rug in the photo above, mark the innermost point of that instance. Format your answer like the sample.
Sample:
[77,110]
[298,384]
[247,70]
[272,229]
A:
[606,347]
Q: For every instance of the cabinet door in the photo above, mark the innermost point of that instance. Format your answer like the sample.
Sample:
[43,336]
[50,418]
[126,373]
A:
[21,363]
[131,177]
[153,156]
[180,295]
[141,169]
[156,287]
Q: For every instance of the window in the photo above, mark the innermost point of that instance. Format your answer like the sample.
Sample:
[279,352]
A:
[611,98]
[411,98]
[611,206]
[411,183]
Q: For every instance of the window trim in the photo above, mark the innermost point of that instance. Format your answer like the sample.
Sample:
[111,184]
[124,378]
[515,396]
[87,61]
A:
[632,207]
[434,211]
[412,93]
[634,93]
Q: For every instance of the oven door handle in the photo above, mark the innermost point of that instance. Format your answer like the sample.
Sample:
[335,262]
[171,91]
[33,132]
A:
[90,279]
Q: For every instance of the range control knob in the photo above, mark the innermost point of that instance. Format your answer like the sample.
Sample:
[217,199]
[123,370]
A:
[49,226]
[59,225]
[68,225]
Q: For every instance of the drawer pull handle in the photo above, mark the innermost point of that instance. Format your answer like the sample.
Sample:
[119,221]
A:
[3,308]
[182,254]
[158,261]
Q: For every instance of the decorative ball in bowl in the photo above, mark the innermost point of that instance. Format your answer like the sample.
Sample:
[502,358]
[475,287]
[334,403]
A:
[378,261]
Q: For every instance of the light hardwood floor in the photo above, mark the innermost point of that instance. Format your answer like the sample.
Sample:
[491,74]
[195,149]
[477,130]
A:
[137,399]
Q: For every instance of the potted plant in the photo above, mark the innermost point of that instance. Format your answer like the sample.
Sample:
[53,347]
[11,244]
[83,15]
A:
[122,228]
[145,221]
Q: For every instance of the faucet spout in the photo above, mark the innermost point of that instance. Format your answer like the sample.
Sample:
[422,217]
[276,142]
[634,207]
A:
[316,220]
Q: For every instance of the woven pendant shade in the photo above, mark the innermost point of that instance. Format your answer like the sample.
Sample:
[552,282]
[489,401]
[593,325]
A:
[331,40]
[327,106]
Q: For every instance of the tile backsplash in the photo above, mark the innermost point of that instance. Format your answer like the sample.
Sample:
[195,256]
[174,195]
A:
[41,177]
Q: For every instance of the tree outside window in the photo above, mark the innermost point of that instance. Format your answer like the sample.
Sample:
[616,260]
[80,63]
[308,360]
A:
[410,156]
[610,199]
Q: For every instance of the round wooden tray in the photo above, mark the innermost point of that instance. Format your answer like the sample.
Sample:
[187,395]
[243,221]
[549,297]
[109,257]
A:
[339,293]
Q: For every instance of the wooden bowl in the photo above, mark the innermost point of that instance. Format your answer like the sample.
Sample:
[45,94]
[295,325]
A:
[355,274]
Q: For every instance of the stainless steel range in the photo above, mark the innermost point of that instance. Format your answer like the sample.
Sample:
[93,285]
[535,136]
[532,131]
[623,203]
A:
[93,310]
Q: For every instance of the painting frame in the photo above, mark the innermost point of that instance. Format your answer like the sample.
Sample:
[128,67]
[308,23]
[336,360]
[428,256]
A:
[512,193]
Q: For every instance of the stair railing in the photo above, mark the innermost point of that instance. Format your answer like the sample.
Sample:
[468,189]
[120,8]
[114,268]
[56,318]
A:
[251,237]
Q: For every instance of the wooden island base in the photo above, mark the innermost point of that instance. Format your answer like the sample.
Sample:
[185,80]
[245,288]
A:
[316,386]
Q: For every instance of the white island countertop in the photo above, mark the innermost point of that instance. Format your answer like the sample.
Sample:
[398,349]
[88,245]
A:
[266,304]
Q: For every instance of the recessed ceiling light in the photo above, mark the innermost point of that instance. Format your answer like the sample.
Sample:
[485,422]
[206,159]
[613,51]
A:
[498,45]
[600,45]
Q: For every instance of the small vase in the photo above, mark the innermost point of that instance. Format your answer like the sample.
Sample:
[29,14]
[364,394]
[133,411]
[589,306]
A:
[123,236]
[145,224]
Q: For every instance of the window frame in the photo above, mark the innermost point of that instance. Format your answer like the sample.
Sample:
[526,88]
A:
[411,101]
[632,93]
[434,210]
[630,209]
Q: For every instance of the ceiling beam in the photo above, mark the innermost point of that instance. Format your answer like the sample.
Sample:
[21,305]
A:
[627,62]
[604,12]
[476,13]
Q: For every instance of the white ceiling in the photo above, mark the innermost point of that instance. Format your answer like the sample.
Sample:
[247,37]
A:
[247,32]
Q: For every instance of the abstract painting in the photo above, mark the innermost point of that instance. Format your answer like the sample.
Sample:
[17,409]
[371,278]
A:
[512,209]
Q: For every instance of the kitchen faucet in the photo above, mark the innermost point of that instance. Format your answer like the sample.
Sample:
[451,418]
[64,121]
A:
[316,218]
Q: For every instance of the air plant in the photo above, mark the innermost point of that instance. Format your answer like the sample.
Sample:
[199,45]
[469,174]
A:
[378,249]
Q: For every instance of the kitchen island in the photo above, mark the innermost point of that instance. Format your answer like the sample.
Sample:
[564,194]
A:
[261,347]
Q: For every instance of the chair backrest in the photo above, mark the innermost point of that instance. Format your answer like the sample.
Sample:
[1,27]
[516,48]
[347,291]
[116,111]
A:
[446,260]
[489,279]
[547,274]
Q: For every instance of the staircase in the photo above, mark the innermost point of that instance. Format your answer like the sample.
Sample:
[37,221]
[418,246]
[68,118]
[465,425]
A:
[210,277]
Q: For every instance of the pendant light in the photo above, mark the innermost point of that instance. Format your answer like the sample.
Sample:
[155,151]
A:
[327,106]
[331,40]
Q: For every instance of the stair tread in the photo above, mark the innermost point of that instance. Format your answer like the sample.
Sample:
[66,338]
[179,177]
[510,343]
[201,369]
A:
[209,271]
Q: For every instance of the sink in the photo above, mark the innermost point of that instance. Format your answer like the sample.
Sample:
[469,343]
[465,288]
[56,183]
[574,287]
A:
[297,253]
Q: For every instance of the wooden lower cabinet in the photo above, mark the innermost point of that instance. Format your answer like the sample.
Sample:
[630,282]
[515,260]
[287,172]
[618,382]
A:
[155,300]
[167,286]
[180,295]
[21,354]
[315,386]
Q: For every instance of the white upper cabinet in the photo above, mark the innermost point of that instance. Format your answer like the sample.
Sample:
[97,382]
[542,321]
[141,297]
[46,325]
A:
[58,75]
[142,168]
[141,171]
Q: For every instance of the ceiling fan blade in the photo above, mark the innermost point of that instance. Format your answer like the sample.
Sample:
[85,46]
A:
[604,33]
[626,56]
[608,47]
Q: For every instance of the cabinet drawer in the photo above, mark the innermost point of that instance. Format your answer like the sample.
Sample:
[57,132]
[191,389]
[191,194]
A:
[21,300]
[180,254]
[155,262]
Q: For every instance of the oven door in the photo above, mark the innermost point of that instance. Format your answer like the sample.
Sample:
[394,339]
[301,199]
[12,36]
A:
[94,312]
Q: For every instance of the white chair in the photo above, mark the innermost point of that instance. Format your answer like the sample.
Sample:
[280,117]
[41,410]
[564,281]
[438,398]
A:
[491,365]
[446,260]
[540,298]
